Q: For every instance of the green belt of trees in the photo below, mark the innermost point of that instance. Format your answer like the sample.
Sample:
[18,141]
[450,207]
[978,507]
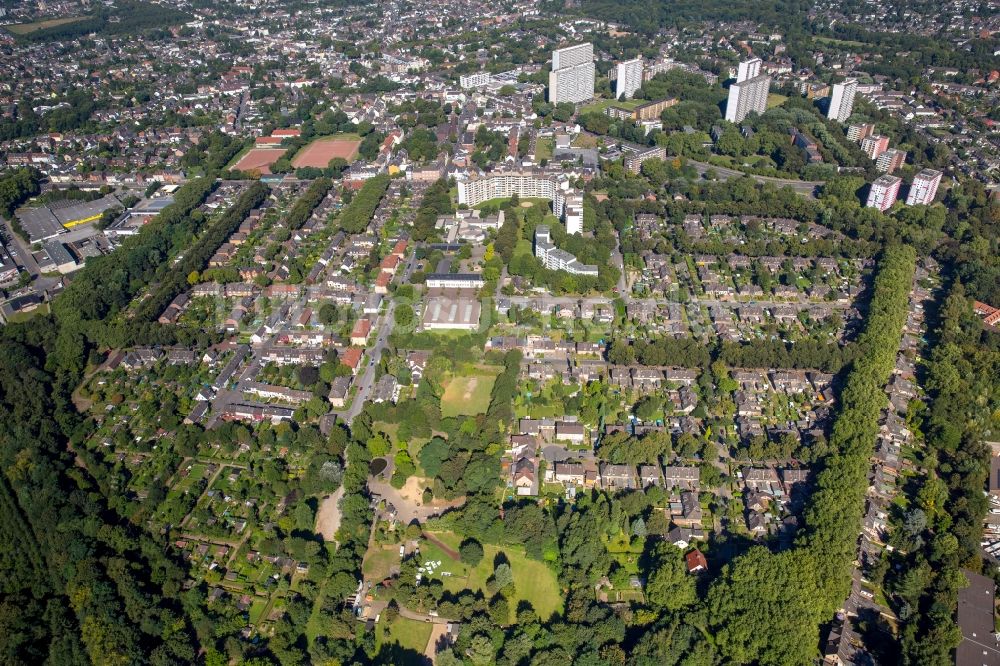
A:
[197,257]
[766,607]
[307,203]
[355,218]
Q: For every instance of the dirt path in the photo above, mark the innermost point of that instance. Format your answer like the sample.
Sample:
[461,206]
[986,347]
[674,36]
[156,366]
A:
[450,552]
[437,632]
[328,516]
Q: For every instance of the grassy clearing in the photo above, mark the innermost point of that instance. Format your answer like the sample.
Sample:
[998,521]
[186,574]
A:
[378,562]
[408,634]
[584,141]
[468,395]
[35,26]
[774,99]
[499,201]
[544,147]
[534,582]
[598,106]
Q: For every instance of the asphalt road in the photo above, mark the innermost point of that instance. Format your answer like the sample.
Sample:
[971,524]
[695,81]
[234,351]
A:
[24,257]
[804,187]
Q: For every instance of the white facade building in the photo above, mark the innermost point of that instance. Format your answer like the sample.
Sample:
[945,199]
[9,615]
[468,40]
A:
[567,203]
[629,78]
[883,192]
[555,259]
[842,100]
[924,188]
[572,75]
[748,69]
[477,80]
[749,95]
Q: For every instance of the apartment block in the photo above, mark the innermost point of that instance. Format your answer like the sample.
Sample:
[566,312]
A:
[842,100]
[628,78]
[883,192]
[924,188]
[890,160]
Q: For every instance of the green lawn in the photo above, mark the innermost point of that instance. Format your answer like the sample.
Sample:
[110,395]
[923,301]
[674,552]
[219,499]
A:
[378,561]
[627,554]
[774,99]
[523,247]
[534,582]
[599,105]
[544,146]
[502,200]
[468,395]
[409,634]
[35,26]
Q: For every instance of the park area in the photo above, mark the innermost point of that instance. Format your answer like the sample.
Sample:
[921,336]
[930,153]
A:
[534,581]
[469,394]
[320,151]
[28,28]
[259,160]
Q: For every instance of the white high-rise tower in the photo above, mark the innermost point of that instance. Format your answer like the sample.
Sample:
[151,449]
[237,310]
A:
[572,75]
[842,100]
[629,78]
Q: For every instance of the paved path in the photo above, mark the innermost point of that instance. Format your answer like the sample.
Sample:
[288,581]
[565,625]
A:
[804,187]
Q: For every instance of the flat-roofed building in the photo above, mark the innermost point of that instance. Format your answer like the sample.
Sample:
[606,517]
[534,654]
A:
[628,78]
[924,188]
[448,313]
[883,192]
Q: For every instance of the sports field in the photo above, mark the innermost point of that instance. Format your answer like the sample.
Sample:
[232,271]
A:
[467,395]
[319,153]
[259,159]
[28,28]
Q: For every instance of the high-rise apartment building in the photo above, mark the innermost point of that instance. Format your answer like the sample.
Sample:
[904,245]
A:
[749,95]
[860,131]
[629,78]
[924,188]
[842,100]
[890,160]
[883,192]
[572,75]
[748,69]
[874,145]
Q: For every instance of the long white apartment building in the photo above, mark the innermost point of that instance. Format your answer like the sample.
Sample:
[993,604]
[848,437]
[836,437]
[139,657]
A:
[567,203]
[477,80]
[555,259]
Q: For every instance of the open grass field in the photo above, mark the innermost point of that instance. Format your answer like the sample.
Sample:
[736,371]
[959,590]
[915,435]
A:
[534,582]
[598,106]
[35,26]
[774,99]
[320,151]
[469,394]
[544,147]
[526,202]
[409,634]
[379,561]
[259,159]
